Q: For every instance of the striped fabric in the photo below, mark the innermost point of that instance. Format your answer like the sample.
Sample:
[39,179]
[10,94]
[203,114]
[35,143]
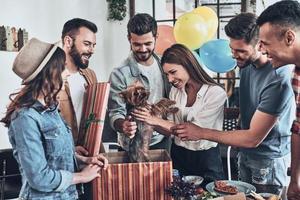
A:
[134,181]
[296,87]
[94,111]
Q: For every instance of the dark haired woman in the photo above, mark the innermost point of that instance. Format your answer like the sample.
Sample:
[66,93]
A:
[42,142]
[201,101]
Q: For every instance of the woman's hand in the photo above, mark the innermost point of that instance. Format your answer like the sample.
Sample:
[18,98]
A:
[87,174]
[81,151]
[98,160]
[144,115]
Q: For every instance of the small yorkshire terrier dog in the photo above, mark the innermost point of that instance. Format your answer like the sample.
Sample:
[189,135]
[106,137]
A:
[136,96]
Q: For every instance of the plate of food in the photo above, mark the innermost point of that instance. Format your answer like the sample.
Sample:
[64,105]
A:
[225,187]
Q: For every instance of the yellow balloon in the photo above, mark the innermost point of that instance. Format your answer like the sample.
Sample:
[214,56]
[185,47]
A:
[191,30]
[211,19]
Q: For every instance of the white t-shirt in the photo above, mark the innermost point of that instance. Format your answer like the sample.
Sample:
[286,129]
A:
[207,112]
[156,84]
[154,75]
[77,89]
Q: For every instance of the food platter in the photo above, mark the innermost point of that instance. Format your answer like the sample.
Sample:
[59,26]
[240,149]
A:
[241,187]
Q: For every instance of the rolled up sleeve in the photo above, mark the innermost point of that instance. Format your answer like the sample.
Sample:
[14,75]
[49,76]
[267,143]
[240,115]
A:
[116,105]
[66,180]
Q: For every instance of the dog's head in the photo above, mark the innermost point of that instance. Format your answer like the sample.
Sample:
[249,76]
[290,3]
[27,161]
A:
[135,94]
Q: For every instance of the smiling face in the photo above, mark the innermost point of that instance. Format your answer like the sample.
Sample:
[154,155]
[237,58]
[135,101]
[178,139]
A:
[243,52]
[142,46]
[273,45]
[83,47]
[176,74]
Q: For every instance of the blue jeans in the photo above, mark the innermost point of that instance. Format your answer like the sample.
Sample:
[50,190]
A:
[264,171]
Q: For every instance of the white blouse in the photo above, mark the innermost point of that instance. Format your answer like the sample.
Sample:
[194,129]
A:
[207,112]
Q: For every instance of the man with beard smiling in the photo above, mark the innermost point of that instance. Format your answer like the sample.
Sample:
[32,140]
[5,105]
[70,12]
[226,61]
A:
[266,110]
[79,40]
[144,66]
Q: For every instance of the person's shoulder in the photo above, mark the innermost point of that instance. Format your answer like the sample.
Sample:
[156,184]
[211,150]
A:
[88,71]
[285,70]
[25,113]
[215,88]
[123,68]
[89,75]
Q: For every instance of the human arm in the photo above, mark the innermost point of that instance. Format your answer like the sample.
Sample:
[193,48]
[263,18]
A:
[117,107]
[33,155]
[126,126]
[81,151]
[87,174]
[294,186]
[260,126]
[99,160]
[161,125]
[264,118]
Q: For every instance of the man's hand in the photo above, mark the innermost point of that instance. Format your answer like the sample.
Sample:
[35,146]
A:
[80,150]
[126,126]
[293,191]
[187,131]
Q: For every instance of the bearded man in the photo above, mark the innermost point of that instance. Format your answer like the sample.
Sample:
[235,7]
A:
[79,40]
[142,65]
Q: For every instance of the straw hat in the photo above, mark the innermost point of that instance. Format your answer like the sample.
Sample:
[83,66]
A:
[32,58]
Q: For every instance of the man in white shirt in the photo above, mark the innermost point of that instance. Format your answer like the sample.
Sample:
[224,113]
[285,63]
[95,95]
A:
[142,65]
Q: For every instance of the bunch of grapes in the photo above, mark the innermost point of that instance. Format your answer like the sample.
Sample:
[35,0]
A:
[179,188]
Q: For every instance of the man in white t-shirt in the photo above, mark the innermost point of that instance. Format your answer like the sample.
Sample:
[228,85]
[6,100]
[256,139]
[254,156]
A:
[142,65]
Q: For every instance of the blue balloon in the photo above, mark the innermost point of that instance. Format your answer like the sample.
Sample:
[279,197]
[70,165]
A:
[216,56]
[196,54]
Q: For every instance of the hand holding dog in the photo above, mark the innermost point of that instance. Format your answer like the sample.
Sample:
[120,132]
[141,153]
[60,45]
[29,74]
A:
[144,115]
[126,126]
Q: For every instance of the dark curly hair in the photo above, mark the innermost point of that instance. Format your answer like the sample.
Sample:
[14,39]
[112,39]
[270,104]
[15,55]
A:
[243,26]
[141,24]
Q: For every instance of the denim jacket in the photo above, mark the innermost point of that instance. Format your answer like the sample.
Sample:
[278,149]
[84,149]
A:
[43,146]
[120,79]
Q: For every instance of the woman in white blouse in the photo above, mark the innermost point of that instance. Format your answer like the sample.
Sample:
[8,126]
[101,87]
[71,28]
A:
[201,101]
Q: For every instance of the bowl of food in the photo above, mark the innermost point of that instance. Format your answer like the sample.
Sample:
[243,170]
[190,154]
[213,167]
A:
[196,180]
[269,196]
[264,196]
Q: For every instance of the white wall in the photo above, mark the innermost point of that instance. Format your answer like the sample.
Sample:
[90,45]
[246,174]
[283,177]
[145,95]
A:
[44,19]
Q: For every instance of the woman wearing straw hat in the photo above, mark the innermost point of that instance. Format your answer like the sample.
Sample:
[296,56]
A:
[41,140]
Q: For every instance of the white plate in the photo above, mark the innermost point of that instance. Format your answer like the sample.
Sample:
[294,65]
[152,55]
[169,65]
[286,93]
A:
[241,186]
[196,180]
